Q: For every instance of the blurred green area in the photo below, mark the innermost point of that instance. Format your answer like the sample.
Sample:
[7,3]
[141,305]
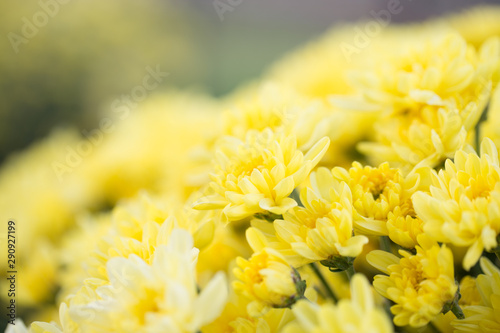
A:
[70,68]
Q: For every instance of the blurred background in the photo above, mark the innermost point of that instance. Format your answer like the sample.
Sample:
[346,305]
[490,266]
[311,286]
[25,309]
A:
[64,62]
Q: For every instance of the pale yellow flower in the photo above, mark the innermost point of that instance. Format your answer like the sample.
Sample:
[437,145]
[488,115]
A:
[279,108]
[476,24]
[358,314]
[142,297]
[469,295]
[19,327]
[431,95]
[236,319]
[268,280]
[462,206]
[381,199]
[483,317]
[321,230]
[403,225]
[140,225]
[257,175]
[419,284]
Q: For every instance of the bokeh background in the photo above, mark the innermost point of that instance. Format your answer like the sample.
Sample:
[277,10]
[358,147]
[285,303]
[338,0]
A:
[91,52]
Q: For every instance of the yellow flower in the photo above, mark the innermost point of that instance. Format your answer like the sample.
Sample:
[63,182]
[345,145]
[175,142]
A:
[469,295]
[235,319]
[281,109]
[382,201]
[321,230]
[462,207]
[226,246]
[359,314]
[431,96]
[142,297]
[257,175]
[268,280]
[140,225]
[476,24]
[419,284]
[483,317]
[403,225]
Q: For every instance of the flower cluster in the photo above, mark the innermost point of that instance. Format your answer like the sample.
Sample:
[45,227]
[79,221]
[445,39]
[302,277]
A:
[336,195]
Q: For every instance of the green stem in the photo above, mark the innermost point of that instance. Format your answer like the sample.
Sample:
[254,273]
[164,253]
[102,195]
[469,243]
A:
[320,276]
[496,251]
[385,243]
[350,272]
[457,311]
[484,116]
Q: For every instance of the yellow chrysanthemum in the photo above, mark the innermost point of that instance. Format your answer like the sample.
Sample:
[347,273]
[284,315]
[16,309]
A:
[258,175]
[269,280]
[382,201]
[142,297]
[419,284]
[280,109]
[483,317]
[139,226]
[235,318]
[469,295]
[359,314]
[431,96]
[462,207]
[226,246]
[321,230]
[476,24]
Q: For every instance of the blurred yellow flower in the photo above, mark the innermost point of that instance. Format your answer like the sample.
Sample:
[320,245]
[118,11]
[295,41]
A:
[462,207]
[419,284]
[269,280]
[483,317]
[281,109]
[161,296]
[358,314]
[258,174]
[476,24]
[431,96]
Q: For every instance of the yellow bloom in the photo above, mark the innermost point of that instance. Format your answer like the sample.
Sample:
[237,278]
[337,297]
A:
[476,24]
[321,230]
[462,207]
[281,109]
[226,246]
[268,280]
[431,96]
[235,319]
[483,317]
[257,175]
[139,226]
[469,295]
[359,314]
[403,225]
[420,284]
[382,201]
[142,297]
